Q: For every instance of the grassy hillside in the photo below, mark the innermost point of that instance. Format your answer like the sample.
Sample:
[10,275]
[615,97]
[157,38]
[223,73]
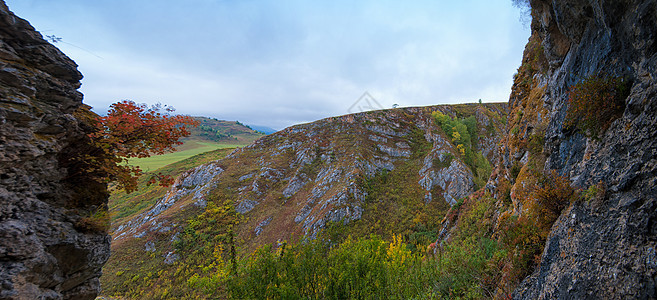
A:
[191,148]
[210,134]
[394,173]
[209,141]
[230,132]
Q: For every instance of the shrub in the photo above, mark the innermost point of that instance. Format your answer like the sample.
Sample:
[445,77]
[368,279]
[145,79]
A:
[595,192]
[309,269]
[524,236]
[467,265]
[553,194]
[463,134]
[522,239]
[504,191]
[536,142]
[471,124]
[481,169]
[595,102]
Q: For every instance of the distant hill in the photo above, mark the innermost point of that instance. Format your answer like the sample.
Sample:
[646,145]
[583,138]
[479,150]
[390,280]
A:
[211,129]
[263,129]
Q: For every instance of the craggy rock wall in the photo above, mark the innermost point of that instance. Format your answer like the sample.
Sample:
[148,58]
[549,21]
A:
[52,242]
[605,248]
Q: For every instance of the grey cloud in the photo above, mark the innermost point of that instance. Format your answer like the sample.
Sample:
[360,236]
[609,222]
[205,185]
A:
[277,63]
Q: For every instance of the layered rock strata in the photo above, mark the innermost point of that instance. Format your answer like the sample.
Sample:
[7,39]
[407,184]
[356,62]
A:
[48,249]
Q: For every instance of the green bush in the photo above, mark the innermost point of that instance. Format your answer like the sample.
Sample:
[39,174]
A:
[594,192]
[463,134]
[466,267]
[354,269]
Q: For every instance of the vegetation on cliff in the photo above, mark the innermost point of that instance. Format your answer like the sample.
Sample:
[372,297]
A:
[463,133]
[595,102]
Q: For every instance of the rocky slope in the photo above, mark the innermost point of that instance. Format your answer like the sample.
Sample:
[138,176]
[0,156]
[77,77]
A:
[602,247]
[341,150]
[299,181]
[47,248]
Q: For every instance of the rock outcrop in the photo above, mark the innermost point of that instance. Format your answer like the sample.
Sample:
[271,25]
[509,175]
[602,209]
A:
[604,248]
[301,180]
[52,244]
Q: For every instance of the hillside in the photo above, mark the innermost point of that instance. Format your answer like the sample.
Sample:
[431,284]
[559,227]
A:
[124,206]
[210,140]
[210,134]
[231,132]
[263,129]
[551,196]
[384,172]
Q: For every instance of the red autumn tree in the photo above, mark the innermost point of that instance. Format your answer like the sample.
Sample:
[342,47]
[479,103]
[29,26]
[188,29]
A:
[132,130]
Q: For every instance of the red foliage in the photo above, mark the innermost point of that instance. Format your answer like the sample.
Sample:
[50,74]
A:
[136,130]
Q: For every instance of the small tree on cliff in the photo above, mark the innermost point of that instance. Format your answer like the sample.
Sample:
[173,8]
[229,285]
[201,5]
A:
[132,130]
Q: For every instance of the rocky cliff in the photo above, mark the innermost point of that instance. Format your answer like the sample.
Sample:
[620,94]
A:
[603,246]
[52,242]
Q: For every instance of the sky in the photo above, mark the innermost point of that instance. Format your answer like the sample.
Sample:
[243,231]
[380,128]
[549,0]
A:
[282,62]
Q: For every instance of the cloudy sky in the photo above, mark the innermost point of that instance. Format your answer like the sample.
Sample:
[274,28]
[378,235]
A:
[278,63]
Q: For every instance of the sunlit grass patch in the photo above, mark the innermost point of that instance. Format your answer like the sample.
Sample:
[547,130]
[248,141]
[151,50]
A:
[149,164]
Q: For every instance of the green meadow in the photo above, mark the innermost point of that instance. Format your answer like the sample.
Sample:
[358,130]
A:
[189,149]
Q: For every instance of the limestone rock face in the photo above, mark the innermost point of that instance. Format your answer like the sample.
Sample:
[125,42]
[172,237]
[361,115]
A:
[45,251]
[601,249]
